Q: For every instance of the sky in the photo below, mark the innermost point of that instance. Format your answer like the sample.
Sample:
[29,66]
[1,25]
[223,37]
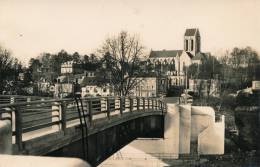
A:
[31,27]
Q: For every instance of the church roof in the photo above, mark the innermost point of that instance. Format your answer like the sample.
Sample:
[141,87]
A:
[165,53]
[200,56]
[190,55]
[190,32]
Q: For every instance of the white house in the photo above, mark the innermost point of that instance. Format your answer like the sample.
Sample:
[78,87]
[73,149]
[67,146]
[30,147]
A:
[94,90]
[70,67]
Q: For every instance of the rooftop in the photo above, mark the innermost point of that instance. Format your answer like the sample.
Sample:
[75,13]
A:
[200,56]
[190,32]
[165,53]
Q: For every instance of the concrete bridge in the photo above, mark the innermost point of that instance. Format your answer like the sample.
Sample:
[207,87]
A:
[53,128]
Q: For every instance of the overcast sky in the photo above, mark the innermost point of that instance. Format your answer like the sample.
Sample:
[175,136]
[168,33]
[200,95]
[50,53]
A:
[30,27]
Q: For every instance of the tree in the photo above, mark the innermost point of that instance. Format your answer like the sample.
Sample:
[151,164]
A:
[242,57]
[9,70]
[242,62]
[209,69]
[122,58]
[6,62]
[34,68]
[76,57]
[239,68]
[91,63]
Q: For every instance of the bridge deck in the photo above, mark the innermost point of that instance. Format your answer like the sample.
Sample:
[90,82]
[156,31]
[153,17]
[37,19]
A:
[42,126]
[53,141]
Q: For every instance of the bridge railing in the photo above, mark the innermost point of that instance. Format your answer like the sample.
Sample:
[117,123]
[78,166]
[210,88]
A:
[38,118]
[5,99]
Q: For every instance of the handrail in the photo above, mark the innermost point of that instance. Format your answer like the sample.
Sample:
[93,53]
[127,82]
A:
[66,99]
[36,115]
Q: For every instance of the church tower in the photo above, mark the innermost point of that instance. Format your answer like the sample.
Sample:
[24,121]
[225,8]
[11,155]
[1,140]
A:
[192,41]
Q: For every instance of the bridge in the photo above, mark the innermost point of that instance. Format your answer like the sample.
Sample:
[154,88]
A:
[54,128]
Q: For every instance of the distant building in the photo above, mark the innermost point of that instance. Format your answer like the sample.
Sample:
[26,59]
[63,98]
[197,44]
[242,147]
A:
[90,87]
[175,80]
[94,90]
[200,57]
[86,79]
[65,84]
[256,85]
[71,67]
[205,87]
[150,87]
[174,63]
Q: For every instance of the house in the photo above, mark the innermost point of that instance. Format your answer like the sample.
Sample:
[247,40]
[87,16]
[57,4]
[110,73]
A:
[64,85]
[70,67]
[150,86]
[87,81]
[174,63]
[256,85]
[94,90]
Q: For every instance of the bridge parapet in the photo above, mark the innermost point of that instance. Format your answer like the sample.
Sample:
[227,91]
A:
[35,119]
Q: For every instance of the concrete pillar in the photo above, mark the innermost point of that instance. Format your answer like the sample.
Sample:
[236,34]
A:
[172,130]
[185,128]
[5,137]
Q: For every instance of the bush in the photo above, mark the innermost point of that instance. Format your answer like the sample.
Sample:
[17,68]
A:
[174,91]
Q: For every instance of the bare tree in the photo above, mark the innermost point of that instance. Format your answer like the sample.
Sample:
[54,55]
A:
[122,58]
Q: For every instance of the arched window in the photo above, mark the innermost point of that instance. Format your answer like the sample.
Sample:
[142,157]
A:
[191,45]
[186,45]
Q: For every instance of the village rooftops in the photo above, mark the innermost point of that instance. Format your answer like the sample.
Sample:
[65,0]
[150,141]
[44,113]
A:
[165,53]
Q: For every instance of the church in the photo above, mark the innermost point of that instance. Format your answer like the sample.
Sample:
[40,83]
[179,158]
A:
[173,63]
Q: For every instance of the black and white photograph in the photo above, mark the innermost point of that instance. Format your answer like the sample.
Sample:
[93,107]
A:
[129,83]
